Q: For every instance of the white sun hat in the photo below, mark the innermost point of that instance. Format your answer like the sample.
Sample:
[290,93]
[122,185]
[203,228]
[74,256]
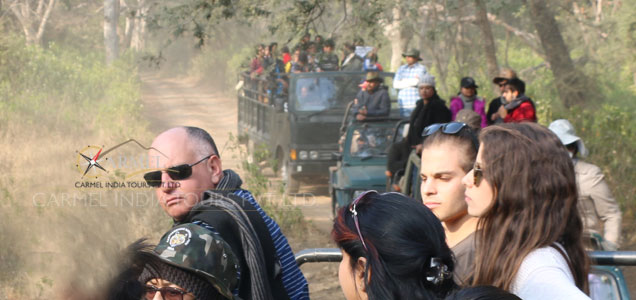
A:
[565,131]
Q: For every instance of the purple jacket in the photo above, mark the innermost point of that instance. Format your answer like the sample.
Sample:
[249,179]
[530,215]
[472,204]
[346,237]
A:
[479,105]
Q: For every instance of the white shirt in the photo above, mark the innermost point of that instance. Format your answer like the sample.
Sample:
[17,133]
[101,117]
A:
[544,274]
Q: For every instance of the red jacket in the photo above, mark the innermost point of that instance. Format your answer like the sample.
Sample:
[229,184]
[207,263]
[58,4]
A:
[524,113]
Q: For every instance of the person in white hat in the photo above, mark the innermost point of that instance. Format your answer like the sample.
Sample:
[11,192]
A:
[596,203]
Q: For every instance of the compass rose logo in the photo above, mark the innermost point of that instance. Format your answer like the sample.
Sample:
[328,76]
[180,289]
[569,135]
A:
[88,161]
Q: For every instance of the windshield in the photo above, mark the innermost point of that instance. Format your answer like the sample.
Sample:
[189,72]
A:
[322,93]
[370,141]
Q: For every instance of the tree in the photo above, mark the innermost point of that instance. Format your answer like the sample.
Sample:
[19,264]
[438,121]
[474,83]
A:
[488,40]
[33,21]
[571,84]
[111,39]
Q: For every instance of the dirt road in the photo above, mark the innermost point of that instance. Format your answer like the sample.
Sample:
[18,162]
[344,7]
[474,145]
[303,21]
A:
[170,102]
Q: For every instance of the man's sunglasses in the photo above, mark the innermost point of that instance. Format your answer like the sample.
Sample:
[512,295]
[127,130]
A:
[179,172]
[448,128]
[167,293]
[478,174]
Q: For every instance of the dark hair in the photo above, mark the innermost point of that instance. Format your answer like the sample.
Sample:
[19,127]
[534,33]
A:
[199,135]
[125,285]
[516,85]
[465,138]
[574,147]
[482,292]
[534,207]
[285,49]
[402,237]
[329,43]
[302,57]
[272,45]
[318,36]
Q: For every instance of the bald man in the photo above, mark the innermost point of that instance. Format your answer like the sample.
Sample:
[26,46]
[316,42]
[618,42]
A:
[191,171]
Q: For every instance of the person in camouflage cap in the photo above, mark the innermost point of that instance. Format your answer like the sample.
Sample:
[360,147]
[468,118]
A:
[195,260]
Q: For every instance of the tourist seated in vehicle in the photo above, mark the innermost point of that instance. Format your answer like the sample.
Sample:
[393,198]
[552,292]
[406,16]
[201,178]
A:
[194,263]
[371,61]
[523,189]
[373,101]
[350,61]
[393,247]
[467,98]
[518,107]
[189,262]
[328,61]
[492,115]
[303,64]
[596,204]
[429,109]
[448,153]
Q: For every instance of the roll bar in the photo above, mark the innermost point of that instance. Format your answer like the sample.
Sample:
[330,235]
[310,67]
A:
[602,258]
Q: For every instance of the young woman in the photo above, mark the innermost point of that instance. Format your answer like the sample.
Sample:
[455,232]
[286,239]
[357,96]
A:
[467,99]
[523,189]
[393,247]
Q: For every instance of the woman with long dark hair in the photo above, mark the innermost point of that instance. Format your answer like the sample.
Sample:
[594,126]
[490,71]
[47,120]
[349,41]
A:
[393,247]
[524,191]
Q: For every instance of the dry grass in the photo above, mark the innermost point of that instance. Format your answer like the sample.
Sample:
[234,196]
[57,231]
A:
[54,233]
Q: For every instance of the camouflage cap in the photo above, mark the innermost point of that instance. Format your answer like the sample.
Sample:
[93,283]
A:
[198,250]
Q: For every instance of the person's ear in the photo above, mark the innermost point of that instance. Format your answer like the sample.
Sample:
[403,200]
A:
[361,284]
[215,168]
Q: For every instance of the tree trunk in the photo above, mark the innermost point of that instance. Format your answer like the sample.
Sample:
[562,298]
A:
[488,40]
[570,83]
[398,35]
[137,39]
[33,22]
[111,40]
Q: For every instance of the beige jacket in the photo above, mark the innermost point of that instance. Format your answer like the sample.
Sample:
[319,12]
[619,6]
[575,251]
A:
[596,203]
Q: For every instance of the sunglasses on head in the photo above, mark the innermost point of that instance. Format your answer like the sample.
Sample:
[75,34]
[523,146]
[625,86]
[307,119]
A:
[167,293]
[478,174]
[179,172]
[448,128]
[354,212]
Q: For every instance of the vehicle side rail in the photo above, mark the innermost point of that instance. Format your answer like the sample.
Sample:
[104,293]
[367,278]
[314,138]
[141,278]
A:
[318,255]
[602,258]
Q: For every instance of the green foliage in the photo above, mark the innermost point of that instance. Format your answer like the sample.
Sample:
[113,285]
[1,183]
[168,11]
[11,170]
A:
[81,88]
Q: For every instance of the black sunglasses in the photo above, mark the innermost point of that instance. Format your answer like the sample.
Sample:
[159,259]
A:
[478,174]
[179,172]
[167,293]
[448,128]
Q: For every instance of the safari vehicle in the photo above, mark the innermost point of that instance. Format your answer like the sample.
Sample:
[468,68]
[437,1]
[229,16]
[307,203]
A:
[362,162]
[299,125]
[606,279]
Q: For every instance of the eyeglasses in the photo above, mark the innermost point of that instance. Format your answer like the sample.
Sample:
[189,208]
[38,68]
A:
[354,212]
[179,172]
[448,128]
[167,293]
[478,174]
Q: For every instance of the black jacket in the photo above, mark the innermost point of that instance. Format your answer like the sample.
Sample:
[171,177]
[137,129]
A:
[228,229]
[424,115]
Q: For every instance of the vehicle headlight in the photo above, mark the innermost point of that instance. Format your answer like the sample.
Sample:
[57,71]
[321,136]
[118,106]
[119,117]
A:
[302,155]
[313,155]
